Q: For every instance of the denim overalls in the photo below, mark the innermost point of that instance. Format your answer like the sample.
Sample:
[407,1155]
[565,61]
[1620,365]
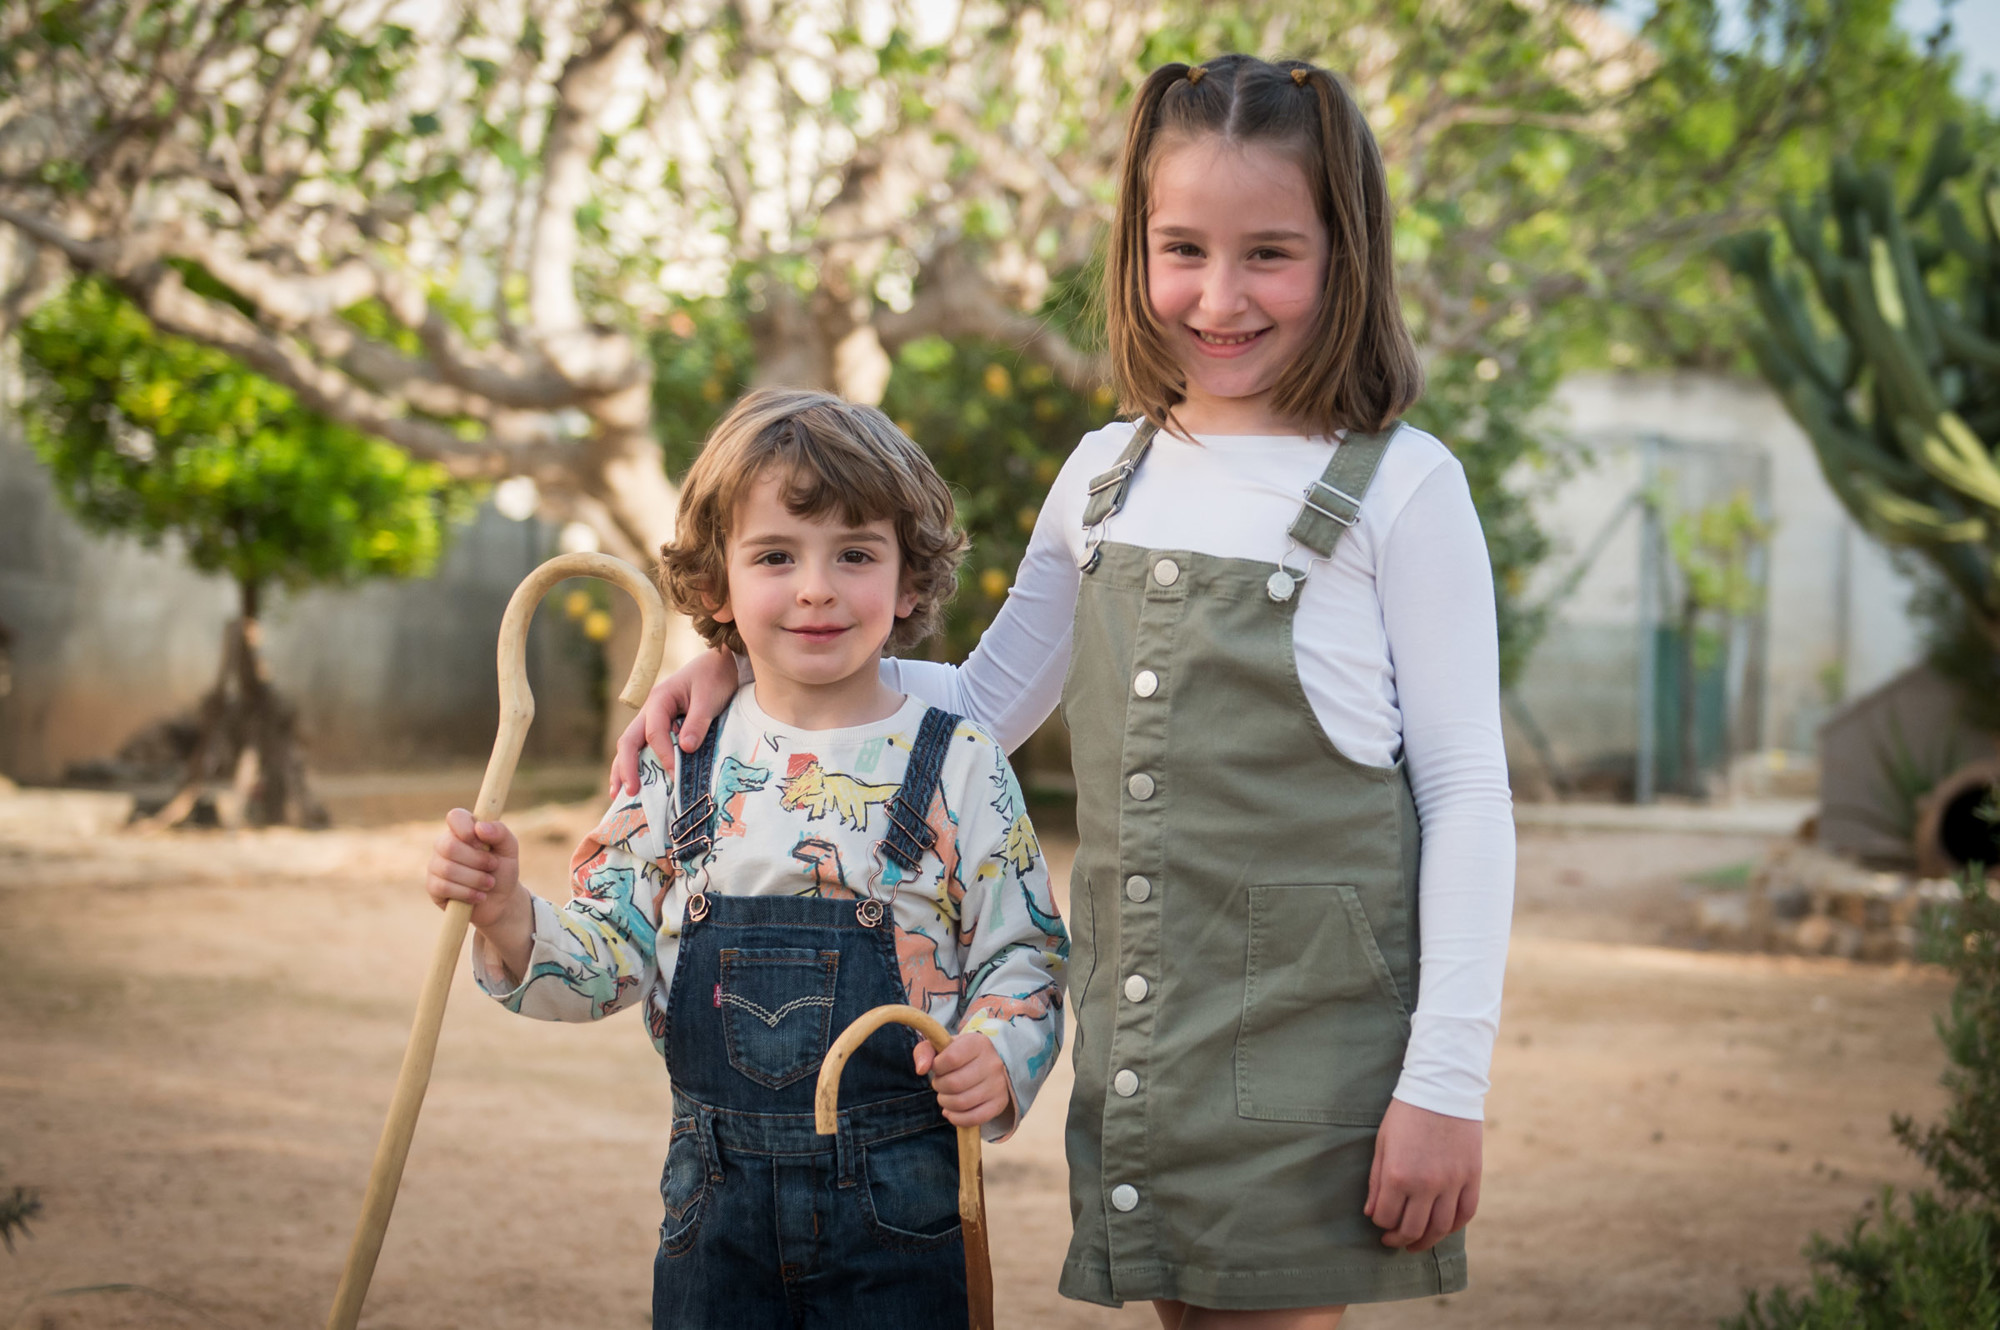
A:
[1244,922]
[767,1222]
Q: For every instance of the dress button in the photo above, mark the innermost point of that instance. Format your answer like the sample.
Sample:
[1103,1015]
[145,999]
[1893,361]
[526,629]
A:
[1137,889]
[1166,572]
[1145,683]
[1125,1197]
[1126,1083]
[1136,988]
[1141,786]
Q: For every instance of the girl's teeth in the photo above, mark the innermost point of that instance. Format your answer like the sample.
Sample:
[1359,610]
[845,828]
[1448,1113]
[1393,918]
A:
[1213,340]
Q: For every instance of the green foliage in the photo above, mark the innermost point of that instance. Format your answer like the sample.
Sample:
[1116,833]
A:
[702,362]
[1486,419]
[998,428]
[150,436]
[1892,366]
[1934,1261]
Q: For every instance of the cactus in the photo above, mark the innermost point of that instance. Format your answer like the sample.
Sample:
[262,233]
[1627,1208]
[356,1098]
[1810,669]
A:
[1902,399]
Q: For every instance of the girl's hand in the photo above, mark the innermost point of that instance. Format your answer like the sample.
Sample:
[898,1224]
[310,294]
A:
[698,690]
[969,1077]
[481,863]
[1425,1183]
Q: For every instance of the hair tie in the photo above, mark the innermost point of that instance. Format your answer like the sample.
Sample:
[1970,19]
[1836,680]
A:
[1195,73]
[1299,76]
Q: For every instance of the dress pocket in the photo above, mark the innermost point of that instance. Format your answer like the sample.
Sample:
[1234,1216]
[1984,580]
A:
[777,1011]
[911,1191]
[1324,1027]
[685,1184]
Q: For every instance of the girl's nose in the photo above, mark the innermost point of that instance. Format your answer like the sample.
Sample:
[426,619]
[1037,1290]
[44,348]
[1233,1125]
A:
[1222,289]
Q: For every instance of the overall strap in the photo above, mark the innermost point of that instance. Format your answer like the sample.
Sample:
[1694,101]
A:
[1107,492]
[910,833]
[692,831]
[1333,502]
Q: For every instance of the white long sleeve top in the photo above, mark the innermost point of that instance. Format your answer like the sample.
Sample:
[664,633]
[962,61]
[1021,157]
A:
[1397,648]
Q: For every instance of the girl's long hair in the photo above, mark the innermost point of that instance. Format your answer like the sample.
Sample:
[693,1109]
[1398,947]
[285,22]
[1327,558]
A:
[1359,368]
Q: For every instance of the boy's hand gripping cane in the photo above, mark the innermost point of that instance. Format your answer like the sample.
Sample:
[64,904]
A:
[971,1185]
[517,709]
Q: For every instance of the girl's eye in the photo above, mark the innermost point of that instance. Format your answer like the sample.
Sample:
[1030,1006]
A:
[1182,249]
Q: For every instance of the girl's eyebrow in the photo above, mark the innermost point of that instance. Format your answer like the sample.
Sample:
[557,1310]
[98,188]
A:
[1191,233]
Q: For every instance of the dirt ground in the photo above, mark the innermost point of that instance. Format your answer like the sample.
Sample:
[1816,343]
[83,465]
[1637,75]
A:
[198,1035]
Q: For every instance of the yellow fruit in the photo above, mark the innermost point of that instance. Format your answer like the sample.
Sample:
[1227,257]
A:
[597,625]
[994,583]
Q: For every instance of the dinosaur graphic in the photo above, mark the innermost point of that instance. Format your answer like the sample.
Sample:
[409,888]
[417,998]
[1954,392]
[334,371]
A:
[822,856]
[924,980]
[733,780]
[1021,848]
[810,786]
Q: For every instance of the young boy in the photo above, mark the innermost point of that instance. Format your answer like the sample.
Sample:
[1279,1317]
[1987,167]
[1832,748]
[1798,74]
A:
[834,846]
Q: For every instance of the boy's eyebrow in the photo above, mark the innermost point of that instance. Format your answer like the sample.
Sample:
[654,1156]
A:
[853,536]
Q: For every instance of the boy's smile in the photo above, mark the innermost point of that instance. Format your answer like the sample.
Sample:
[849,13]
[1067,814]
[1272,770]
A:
[814,598]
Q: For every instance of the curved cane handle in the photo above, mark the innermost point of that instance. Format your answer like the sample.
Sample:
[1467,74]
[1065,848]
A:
[971,1180]
[517,710]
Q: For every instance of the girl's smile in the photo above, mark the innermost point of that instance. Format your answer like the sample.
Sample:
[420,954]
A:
[1236,259]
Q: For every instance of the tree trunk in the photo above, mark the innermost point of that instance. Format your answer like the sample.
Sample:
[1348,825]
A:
[246,766]
[1690,735]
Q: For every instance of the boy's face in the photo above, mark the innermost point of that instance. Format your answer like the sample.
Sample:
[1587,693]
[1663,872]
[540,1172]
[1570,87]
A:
[814,598]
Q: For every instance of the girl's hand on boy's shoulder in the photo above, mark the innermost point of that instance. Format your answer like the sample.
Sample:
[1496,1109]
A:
[1425,1183]
[697,690]
[969,1077]
[479,863]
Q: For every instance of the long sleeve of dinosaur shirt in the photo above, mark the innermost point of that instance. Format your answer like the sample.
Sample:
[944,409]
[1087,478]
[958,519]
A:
[800,812]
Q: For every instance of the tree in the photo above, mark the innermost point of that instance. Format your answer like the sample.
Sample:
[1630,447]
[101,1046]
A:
[1894,372]
[154,436]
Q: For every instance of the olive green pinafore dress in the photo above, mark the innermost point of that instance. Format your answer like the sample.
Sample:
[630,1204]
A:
[1243,923]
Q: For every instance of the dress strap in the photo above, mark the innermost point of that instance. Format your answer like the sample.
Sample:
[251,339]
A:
[1107,492]
[910,834]
[1333,502]
[693,828]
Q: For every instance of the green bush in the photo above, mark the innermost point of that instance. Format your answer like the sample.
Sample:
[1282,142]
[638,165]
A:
[1931,1261]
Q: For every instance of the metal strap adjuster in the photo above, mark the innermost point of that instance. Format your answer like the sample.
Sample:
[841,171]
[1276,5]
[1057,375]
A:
[1353,513]
[689,831]
[921,834]
[1117,475]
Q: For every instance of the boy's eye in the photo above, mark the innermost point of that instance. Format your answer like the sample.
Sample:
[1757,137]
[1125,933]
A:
[772,558]
[856,556]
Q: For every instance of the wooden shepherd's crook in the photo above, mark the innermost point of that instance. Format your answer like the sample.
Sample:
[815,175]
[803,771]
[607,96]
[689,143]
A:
[971,1185]
[517,709]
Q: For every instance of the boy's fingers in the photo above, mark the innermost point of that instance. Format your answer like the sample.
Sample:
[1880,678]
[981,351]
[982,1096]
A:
[459,822]
[496,837]
[923,1056]
[462,875]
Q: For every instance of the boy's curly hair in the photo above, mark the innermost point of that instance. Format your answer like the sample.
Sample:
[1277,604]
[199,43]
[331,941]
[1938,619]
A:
[835,457]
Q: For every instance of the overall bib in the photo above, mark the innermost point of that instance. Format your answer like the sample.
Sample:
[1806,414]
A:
[768,1223]
[1243,925]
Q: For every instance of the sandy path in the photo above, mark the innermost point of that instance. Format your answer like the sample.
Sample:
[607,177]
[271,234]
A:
[198,1035]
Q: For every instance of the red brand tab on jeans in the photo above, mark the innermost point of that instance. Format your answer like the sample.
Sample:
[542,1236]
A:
[718,995]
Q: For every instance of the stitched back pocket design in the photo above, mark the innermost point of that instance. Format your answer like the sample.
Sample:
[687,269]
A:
[777,1011]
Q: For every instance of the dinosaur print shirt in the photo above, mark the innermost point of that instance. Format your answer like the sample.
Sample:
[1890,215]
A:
[800,812]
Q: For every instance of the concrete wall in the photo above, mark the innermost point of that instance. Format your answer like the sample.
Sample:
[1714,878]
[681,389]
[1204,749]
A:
[1835,609]
[109,637]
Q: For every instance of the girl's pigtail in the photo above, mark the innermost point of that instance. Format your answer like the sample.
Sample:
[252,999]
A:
[1137,357]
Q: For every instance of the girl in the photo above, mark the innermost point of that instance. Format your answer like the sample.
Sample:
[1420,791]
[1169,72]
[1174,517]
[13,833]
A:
[1267,612]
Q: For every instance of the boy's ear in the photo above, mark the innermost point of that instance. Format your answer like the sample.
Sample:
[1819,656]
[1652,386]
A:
[906,599]
[720,613]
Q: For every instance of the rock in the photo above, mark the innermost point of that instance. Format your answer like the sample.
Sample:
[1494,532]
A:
[1723,916]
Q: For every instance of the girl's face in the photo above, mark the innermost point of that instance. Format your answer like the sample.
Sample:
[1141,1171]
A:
[1236,259]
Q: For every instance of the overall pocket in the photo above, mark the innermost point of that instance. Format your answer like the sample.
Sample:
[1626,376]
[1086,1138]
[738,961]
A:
[1324,1027]
[777,1011]
[685,1185]
[910,1191]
